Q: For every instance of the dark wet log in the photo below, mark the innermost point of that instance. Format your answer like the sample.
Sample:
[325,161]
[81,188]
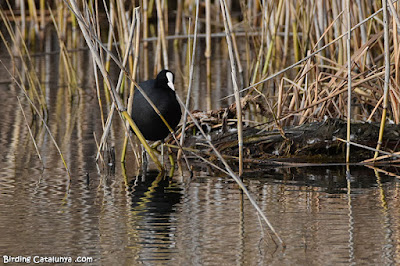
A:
[310,143]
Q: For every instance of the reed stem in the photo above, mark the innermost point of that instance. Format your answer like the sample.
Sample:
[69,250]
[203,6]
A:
[189,91]
[348,82]
[387,75]
[235,85]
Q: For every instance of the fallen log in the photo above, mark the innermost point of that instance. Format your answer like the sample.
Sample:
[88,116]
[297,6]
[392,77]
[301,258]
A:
[317,142]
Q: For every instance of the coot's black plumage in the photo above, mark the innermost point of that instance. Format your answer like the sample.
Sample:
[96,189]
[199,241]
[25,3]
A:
[161,91]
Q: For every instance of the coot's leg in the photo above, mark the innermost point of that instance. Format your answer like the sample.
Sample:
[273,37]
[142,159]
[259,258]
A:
[144,160]
[162,152]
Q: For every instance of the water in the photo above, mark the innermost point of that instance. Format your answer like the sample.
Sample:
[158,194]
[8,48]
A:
[116,218]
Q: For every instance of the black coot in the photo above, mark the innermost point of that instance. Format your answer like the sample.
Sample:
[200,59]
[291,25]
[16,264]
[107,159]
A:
[161,91]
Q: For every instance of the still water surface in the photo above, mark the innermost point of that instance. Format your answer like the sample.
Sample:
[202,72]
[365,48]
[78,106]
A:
[116,218]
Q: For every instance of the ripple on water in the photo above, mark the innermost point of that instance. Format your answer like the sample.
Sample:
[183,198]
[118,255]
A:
[201,221]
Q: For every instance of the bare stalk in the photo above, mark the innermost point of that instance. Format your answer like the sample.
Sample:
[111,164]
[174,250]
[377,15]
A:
[145,44]
[42,119]
[235,86]
[190,75]
[120,80]
[30,132]
[178,20]
[395,15]
[272,42]
[235,48]
[110,17]
[207,52]
[132,86]
[161,32]
[309,56]
[387,75]
[386,156]
[116,99]
[348,82]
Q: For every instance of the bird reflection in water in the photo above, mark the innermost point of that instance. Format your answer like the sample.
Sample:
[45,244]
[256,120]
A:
[153,199]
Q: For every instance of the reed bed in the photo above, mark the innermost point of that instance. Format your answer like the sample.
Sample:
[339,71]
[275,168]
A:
[303,61]
[274,36]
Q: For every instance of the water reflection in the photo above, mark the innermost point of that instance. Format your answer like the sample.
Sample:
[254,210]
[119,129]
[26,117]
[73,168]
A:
[153,206]
[206,221]
[330,179]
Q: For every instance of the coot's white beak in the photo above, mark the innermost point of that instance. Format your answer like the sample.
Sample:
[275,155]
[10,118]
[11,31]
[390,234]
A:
[170,83]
